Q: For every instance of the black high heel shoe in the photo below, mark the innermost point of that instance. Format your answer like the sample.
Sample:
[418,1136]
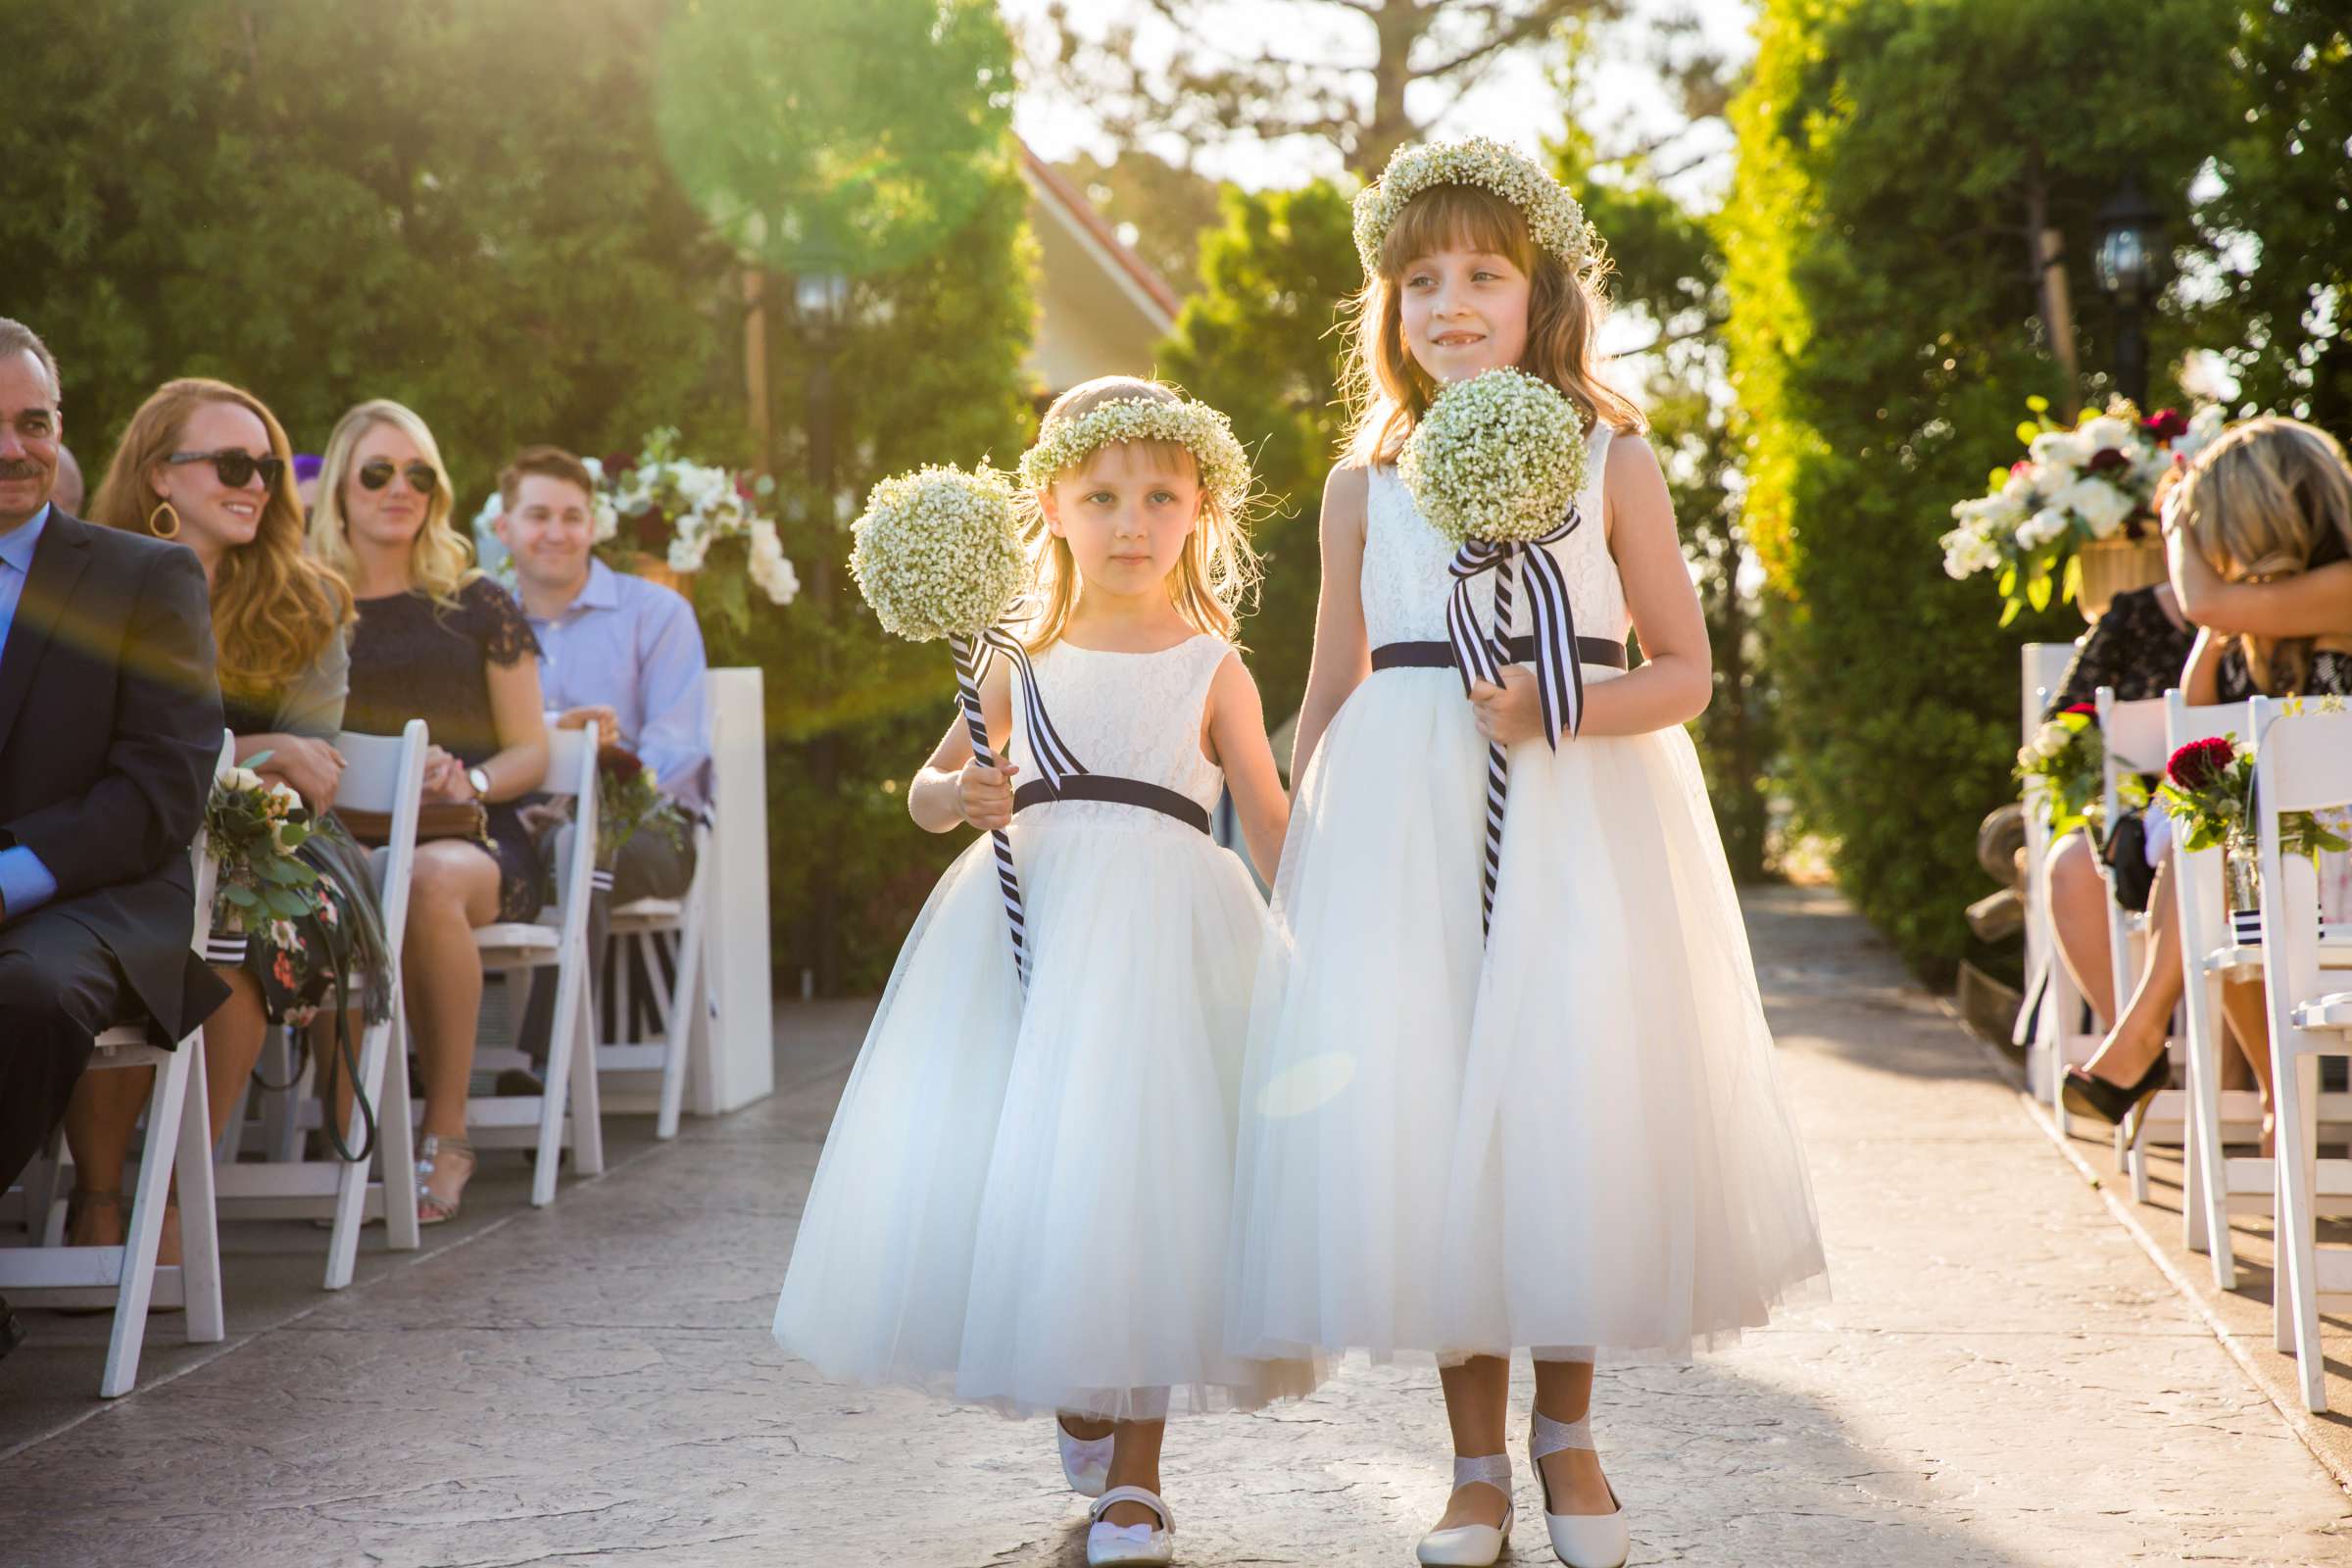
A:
[2086,1094]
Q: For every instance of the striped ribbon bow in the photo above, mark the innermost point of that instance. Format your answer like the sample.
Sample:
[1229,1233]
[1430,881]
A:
[1559,678]
[1054,760]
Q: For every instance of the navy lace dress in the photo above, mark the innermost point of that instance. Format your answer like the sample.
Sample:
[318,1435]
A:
[413,659]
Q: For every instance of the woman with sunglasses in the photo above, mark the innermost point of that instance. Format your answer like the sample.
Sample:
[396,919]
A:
[437,640]
[206,463]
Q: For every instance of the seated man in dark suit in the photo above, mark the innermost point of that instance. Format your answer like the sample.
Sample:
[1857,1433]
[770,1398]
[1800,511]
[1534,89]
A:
[110,727]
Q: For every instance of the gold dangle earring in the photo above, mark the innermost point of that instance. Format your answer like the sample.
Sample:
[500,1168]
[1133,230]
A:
[155,526]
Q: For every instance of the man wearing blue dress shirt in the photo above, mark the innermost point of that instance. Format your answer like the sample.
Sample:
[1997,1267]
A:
[110,729]
[616,648]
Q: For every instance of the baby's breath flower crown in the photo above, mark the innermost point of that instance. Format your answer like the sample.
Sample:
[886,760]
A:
[938,553]
[1498,456]
[1064,444]
[1553,218]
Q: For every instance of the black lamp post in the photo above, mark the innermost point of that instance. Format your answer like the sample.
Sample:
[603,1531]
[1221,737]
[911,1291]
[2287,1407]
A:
[2129,264]
[820,313]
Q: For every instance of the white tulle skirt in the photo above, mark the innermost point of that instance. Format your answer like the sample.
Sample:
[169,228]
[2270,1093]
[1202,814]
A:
[1571,1137]
[1028,1208]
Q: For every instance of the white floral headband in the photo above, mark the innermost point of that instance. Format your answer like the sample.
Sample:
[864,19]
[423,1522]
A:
[1553,218]
[1066,443]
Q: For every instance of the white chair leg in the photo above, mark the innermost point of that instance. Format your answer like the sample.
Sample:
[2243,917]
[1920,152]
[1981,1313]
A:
[2297,1312]
[351,1184]
[137,1281]
[396,1141]
[687,1014]
[587,1099]
[561,1056]
[199,1220]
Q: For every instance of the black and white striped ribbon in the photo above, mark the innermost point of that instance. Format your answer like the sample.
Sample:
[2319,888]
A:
[1054,760]
[969,666]
[1478,657]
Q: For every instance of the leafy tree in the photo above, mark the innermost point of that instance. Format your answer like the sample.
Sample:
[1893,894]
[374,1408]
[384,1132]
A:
[1259,341]
[1161,209]
[1893,159]
[1340,73]
[2286,171]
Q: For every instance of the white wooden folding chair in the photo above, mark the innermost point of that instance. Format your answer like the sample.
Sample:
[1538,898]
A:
[2302,763]
[2216,1183]
[648,931]
[380,773]
[178,1142]
[558,940]
[2050,1029]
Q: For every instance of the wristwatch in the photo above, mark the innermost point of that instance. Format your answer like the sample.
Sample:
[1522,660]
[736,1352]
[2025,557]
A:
[480,778]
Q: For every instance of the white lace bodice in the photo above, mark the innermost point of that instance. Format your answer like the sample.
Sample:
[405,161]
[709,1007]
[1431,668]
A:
[1405,580]
[1135,716]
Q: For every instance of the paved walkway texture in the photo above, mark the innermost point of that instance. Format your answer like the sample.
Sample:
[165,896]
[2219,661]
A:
[2001,1375]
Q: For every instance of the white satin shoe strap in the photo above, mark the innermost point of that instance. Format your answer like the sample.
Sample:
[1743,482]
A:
[1551,1437]
[1117,1495]
[1495,1469]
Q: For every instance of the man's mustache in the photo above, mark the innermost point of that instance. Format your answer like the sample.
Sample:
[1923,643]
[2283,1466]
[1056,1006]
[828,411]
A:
[20,471]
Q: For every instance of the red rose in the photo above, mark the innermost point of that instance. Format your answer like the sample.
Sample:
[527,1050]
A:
[2200,765]
[2165,425]
[2107,457]
[619,762]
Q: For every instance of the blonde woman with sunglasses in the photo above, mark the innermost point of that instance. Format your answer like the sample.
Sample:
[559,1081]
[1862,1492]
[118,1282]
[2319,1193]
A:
[437,640]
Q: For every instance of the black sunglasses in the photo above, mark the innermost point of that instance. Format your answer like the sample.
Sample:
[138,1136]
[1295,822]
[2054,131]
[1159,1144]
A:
[237,468]
[377,474]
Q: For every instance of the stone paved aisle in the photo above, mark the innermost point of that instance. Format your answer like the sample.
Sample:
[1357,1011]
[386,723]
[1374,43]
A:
[2000,1378]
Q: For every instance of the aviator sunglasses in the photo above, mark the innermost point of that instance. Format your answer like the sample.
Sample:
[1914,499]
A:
[236,468]
[378,474]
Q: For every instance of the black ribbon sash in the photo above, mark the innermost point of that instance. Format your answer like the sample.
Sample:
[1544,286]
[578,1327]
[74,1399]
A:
[1522,651]
[1117,792]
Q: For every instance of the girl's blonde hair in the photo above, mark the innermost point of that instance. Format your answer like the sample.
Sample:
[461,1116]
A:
[440,563]
[275,607]
[1385,387]
[2270,498]
[1211,579]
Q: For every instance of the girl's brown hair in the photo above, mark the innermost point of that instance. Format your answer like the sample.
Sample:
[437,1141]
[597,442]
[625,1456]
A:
[275,605]
[2270,498]
[1218,566]
[1385,387]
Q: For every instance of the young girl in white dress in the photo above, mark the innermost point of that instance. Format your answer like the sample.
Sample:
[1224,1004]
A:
[1571,1134]
[1023,1202]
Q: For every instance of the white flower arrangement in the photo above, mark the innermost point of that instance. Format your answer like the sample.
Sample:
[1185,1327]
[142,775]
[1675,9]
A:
[1553,218]
[2093,480]
[678,509]
[1498,457]
[1064,444]
[938,552]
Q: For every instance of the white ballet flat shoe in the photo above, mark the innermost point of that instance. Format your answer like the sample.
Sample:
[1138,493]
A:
[1579,1540]
[1084,1462]
[1121,1543]
[1472,1545]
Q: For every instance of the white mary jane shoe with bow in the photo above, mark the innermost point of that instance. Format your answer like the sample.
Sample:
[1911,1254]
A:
[1472,1546]
[1125,1544]
[1579,1540]
[1084,1462]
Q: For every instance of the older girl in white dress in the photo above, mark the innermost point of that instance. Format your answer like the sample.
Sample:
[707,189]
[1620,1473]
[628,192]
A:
[1023,1202]
[1570,1134]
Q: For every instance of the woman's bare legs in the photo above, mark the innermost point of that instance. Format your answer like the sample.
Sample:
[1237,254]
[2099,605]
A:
[2078,899]
[454,893]
[2137,1039]
[1135,1462]
[104,1113]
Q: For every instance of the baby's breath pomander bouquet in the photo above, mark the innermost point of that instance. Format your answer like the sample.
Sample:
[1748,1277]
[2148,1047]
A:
[938,553]
[1497,458]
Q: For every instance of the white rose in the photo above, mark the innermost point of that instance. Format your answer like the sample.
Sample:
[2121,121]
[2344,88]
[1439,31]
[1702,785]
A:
[2060,446]
[2100,504]
[2040,528]
[241,778]
[2019,489]
[2107,432]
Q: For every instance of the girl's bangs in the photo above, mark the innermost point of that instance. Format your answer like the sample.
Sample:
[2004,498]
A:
[1457,218]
